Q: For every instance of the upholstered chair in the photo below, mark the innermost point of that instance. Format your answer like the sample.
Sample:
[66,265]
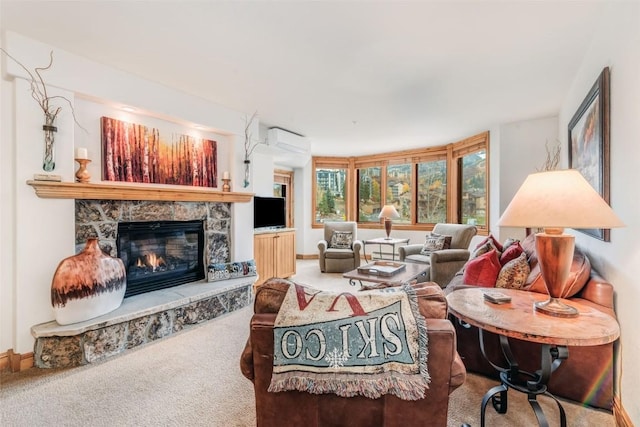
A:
[340,249]
[299,408]
[444,263]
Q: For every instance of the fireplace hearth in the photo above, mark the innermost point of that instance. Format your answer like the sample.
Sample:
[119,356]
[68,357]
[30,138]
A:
[160,254]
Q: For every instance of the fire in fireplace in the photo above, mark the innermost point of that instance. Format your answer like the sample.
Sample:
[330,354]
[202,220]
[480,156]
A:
[161,254]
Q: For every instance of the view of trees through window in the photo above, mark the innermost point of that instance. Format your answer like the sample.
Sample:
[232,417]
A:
[432,192]
[474,188]
[426,186]
[369,194]
[330,194]
[399,191]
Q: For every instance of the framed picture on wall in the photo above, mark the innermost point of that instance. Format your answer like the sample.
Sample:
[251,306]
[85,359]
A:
[589,142]
[136,153]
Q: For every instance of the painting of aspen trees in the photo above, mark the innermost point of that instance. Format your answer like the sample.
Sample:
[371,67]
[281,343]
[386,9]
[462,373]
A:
[136,153]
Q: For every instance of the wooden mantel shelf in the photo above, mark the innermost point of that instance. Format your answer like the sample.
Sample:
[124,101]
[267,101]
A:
[126,191]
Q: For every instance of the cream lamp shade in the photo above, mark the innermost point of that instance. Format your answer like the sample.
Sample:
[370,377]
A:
[388,212]
[555,200]
[558,199]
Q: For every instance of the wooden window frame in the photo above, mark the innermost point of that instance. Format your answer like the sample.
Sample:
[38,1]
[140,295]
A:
[285,177]
[452,152]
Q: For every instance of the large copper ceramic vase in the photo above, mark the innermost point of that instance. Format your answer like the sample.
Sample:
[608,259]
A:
[87,285]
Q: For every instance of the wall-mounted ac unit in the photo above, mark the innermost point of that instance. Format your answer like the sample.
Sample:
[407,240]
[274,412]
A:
[289,148]
[288,141]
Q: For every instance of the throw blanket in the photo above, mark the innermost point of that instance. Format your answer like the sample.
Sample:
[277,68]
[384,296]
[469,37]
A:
[371,344]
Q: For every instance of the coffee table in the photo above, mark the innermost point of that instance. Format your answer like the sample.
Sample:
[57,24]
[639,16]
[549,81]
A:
[412,271]
[518,319]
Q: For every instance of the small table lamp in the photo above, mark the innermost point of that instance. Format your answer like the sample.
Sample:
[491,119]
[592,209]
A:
[388,212]
[555,200]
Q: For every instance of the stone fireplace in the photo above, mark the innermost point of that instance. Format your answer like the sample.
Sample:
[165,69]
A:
[100,218]
[194,235]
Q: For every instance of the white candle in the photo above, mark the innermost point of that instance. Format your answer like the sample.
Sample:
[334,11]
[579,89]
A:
[81,153]
[225,175]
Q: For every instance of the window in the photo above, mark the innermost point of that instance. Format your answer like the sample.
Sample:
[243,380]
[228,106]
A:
[369,194]
[399,191]
[432,192]
[470,160]
[447,183]
[473,188]
[330,191]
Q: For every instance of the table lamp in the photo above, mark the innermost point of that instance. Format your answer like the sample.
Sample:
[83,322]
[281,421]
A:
[555,200]
[388,212]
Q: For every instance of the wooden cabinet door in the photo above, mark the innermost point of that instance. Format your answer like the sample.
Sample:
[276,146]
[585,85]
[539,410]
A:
[265,256]
[285,244]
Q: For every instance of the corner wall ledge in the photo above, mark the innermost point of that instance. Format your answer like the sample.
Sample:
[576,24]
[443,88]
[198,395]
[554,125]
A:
[129,191]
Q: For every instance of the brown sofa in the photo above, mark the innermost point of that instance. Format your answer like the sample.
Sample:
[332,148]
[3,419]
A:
[309,410]
[587,375]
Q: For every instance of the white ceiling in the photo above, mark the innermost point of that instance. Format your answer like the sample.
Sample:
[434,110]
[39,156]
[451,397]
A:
[354,77]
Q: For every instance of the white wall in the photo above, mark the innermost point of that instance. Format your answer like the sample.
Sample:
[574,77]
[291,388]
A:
[616,45]
[522,151]
[262,172]
[35,233]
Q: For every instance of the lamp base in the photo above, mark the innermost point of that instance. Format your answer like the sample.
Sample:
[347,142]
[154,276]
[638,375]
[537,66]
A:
[387,227]
[555,307]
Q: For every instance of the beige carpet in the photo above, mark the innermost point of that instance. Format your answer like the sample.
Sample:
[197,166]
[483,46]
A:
[193,379]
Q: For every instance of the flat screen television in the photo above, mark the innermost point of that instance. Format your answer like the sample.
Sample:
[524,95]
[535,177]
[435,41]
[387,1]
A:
[269,212]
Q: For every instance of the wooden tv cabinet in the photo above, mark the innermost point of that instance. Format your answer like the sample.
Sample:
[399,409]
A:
[275,253]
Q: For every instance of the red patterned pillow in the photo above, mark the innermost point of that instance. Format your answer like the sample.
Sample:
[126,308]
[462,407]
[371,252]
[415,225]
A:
[512,252]
[493,241]
[483,270]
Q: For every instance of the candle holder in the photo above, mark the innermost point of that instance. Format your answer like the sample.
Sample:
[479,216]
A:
[82,174]
[225,186]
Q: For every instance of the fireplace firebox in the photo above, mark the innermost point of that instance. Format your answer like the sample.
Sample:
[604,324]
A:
[161,254]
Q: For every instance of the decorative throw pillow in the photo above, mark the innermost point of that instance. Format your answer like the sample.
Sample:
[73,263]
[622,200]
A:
[482,249]
[434,242]
[493,241]
[341,240]
[512,252]
[483,270]
[447,240]
[514,273]
[510,241]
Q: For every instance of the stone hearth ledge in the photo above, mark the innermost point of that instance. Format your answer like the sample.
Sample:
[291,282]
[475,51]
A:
[140,319]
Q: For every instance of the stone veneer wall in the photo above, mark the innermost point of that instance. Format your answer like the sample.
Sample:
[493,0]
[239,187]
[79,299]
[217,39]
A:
[100,218]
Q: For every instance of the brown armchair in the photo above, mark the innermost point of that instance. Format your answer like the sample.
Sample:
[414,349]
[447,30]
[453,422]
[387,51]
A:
[315,410]
[445,263]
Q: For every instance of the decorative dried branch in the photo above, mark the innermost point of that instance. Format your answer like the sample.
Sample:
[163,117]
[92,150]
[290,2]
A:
[249,145]
[553,157]
[39,91]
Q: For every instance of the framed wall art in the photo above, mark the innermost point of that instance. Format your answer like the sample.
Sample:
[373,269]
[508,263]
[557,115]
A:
[589,142]
[136,153]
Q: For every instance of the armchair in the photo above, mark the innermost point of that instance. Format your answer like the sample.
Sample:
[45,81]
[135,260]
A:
[445,263]
[319,410]
[339,259]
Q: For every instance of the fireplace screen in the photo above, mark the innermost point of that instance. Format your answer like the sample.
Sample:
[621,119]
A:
[161,254]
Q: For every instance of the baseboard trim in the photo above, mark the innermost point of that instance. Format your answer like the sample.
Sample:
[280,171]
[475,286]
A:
[15,362]
[620,415]
[303,256]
